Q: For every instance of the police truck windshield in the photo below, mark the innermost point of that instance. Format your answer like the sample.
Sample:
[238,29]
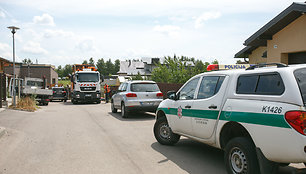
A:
[87,77]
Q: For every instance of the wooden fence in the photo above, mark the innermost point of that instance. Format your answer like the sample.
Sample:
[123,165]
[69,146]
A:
[165,87]
[2,88]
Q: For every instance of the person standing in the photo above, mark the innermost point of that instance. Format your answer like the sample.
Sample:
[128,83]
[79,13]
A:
[106,92]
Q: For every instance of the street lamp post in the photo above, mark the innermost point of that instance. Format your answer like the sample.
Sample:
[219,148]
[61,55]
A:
[13,30]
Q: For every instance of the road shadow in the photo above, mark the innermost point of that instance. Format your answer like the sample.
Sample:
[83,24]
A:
[195,158]
[192,156]
[134,116]
[83,103]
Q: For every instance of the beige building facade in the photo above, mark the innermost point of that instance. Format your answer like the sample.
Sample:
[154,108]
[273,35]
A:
[282,40]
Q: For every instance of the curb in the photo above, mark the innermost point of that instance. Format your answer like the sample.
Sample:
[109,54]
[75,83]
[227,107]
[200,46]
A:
[2,131]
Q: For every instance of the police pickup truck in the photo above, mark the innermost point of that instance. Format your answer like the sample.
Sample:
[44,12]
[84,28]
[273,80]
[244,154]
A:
[257,116]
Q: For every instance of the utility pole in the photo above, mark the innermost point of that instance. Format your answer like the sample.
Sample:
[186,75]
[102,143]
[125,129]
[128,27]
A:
[13,30]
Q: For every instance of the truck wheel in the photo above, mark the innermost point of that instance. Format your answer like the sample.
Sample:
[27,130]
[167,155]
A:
[73,101]
[163,132]
[114,110]
[124,112]
[240,156]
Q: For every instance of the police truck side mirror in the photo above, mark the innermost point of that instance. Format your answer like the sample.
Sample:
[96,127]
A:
[171,95]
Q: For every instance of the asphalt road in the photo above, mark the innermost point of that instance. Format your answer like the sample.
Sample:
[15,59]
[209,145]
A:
[65,138]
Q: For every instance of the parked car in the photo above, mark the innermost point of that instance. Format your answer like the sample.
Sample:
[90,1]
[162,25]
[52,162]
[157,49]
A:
[136,96]
[257,116]
[59,93]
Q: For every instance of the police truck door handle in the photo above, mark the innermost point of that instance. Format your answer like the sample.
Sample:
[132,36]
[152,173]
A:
[212,107]
[188,107]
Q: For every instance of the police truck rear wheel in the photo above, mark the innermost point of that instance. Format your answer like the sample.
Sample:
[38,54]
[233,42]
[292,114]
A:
[163,132]
[240,156]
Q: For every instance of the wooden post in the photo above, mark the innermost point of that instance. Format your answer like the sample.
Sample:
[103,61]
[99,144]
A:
[1,89]
[4,87]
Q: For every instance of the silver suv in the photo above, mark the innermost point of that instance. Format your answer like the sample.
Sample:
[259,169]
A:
[136,96]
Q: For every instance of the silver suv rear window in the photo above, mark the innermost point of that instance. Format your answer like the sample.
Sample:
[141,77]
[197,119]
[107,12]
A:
[300,76]
[144,87]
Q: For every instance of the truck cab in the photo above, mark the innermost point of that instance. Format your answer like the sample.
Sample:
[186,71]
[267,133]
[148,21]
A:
[86,85]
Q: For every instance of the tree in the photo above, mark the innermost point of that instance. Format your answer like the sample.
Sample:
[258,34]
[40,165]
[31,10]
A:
[67,70]
[27,61]
[85,62]
[199,67]
[101,66]
[59,71]
[178,69]
[116,66]
[91,61]
[109,67]
[137,77]
[215,62]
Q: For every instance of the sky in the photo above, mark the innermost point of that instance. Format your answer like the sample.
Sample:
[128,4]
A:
[61,32]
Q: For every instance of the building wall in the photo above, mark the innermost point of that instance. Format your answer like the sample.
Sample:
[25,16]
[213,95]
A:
[54,75]
[290,39]
[256,56]
[35,72]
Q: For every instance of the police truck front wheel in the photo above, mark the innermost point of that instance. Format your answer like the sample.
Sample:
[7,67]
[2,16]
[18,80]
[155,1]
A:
[240,156]
[163,132]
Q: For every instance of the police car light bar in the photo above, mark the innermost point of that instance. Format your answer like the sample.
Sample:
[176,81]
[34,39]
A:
[216,67]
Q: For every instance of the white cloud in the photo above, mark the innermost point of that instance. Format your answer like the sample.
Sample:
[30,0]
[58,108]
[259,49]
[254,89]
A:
[57,33]
[199,22]
[45,19]
[139,53]
[86,45]
[34,48]
[2,14]
[168,30]
[5,51]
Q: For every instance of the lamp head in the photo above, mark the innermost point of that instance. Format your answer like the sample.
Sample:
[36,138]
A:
[13,29]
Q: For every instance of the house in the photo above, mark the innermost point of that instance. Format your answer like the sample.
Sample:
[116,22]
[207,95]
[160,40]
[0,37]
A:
[34,71]
[3,63]
[144,67]
[282,40]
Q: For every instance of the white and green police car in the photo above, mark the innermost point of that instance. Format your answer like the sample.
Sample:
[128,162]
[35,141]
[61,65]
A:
[257,116]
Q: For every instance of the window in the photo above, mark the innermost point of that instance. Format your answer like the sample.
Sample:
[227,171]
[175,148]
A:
[209,86]
[122,87]
[88,77]
[247,84]
[144,87]
[300,76]
[270,84]
[260,84]
[187,92]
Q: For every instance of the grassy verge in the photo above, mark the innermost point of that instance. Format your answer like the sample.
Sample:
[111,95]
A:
[64,82]
[26,104]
